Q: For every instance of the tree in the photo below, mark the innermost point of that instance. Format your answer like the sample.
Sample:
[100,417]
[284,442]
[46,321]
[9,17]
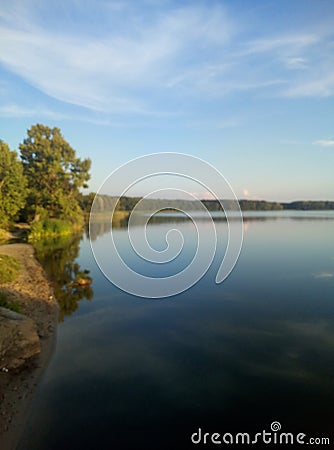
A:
[12,185]
[54,175]
[86,201]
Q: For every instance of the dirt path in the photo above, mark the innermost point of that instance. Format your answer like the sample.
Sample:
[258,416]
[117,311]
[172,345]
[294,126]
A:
[32,290]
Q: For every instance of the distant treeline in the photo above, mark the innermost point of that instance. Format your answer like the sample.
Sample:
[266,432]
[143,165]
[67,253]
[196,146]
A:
[105,203]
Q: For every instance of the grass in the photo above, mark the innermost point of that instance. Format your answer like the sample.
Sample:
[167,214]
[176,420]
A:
[12,305]
[9,268]
[50,228]
[4,235]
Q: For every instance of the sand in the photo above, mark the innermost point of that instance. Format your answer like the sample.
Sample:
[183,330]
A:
[33,291]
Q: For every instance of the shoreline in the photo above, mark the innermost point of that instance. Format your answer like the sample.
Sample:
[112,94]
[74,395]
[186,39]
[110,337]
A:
[34,293]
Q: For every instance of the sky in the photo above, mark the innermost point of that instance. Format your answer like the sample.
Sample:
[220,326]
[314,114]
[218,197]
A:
[246,86]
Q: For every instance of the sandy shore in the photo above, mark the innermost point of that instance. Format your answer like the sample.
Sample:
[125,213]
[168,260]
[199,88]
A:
[32,290]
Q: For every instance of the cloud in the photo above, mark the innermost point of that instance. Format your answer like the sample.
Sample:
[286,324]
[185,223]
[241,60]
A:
[13,110]
[322,85]
[304,61]
[289,43]
[324,143]
[143,59]
[17,111]
[115,71]
[296,62]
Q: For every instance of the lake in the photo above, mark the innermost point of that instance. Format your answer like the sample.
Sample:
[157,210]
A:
[137,373]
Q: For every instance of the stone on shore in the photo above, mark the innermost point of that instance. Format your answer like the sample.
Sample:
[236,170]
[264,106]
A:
[19,339]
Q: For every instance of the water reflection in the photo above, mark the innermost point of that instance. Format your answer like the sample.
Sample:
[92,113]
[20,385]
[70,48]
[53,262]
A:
[101,224]
[135,373]
[97,228]
[58,258]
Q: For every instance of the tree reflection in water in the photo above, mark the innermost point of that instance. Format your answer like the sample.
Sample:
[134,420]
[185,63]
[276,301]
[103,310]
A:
[101,224]
[58,258]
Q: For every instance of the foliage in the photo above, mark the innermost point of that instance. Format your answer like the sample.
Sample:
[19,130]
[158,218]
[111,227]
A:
[4,235]
[9,268]
[12,185]
[128,203]
[309,205]
[49,227]
[9,304]
[259,205]
[104,203]
[86,201]
[54,175]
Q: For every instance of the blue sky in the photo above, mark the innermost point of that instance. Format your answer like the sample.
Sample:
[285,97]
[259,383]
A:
[247,86]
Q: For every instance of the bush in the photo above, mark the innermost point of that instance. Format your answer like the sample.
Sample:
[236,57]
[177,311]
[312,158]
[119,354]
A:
[49,228]
[4,235]
[5,303]
[9,268]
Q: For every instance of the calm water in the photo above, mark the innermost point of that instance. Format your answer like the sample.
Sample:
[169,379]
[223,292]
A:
[132,373]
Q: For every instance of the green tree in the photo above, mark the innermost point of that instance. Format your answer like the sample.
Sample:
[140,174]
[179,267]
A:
[12,185]
[54,173]
[86,201]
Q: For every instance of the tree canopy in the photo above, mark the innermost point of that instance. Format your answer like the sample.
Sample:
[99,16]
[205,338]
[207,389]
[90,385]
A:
[12,185]
[54,174]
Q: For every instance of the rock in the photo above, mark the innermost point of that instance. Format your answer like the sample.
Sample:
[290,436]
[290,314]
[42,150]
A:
[83,281]
[19,340]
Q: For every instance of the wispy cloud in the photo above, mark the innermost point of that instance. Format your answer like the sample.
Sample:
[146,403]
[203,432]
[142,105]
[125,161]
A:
[324,143]
[320,85]
[151,61]
[117,71]
[40,113]
[304,61]
[290,43]
[13,110]
[296,62]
